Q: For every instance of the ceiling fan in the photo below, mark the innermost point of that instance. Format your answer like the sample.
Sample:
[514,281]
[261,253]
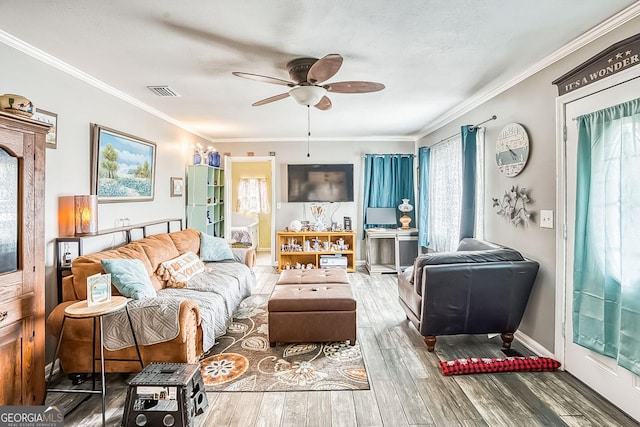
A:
[307,77]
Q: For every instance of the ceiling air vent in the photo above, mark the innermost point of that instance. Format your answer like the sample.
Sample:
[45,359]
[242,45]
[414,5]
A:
[163,91]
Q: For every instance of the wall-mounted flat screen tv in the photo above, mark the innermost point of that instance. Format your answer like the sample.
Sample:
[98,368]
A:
[320,183]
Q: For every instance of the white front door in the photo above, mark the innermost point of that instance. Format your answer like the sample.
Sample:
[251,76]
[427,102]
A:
[601,373]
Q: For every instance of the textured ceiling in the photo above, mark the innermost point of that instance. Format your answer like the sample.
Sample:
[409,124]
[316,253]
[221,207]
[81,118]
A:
[431,55]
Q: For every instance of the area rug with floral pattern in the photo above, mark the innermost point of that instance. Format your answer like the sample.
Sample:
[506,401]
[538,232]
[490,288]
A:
[242,360]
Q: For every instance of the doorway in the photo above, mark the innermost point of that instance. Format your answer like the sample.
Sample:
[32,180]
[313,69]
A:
[602,373]
[246,219]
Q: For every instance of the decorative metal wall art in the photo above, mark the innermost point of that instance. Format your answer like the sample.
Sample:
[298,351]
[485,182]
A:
[513,206]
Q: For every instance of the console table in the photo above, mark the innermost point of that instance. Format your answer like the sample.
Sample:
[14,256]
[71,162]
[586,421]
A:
[390,250]
[307,247]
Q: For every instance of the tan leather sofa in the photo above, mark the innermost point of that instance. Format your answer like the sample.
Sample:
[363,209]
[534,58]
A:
[75,349]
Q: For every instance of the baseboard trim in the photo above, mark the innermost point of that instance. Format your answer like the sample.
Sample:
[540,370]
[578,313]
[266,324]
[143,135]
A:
[533,345]
[47,369]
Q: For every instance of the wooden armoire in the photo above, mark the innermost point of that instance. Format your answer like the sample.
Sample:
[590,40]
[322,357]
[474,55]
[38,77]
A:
[22,286]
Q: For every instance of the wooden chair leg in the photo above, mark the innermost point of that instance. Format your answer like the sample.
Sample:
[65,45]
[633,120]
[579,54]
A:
[431,342]
[507,337]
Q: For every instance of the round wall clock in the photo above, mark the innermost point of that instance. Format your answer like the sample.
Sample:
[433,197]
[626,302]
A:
[512,149]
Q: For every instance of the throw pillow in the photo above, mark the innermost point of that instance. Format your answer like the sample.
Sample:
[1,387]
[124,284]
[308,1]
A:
[130,277]
[177,272]
[214,248]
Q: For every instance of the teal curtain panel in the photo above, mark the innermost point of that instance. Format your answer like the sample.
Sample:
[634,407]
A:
[468,208]
[388,178]
[606,276]
[423,196]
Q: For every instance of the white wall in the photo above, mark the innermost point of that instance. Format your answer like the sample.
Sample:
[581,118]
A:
[321,152]
[68,167]
[68,170]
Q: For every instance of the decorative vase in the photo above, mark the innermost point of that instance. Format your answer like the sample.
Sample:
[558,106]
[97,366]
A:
[16,104]
[318,211]
[213,158]
[196,157]
[405,219]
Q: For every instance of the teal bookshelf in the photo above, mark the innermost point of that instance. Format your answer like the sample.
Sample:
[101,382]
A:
[205,199]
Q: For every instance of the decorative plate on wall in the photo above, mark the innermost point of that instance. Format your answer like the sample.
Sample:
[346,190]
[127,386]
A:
[512,149]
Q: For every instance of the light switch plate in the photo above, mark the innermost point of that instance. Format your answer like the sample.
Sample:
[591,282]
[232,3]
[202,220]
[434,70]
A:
[546,218]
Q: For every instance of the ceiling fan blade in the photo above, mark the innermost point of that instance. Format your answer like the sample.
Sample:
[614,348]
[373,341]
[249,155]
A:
[324,68]
[354,87]
[265,79]
[271,99]
[324,104]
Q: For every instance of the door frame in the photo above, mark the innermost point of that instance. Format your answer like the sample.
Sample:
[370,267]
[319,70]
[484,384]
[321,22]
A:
[228,169]
[562,270]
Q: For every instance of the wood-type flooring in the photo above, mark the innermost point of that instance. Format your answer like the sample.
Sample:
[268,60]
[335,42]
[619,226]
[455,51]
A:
[407,388]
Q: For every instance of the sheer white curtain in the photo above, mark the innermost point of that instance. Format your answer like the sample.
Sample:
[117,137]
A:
[445,194]
[252,195]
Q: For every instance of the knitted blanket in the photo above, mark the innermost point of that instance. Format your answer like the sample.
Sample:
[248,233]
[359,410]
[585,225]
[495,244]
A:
[154,320]
[217,291]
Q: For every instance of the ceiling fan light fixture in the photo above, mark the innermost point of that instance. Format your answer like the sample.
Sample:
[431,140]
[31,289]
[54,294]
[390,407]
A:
[307,95]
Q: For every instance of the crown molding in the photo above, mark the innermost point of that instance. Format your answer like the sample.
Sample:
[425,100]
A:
[51,60]
[466,106]
[42,56]
[319,139]
[593,34]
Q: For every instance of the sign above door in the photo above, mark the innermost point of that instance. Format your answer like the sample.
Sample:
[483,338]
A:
[616,58]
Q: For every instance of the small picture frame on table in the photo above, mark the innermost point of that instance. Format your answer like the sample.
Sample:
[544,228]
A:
[98,289]
[347,223]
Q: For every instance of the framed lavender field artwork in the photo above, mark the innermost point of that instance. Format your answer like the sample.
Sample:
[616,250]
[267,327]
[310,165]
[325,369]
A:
[122,166]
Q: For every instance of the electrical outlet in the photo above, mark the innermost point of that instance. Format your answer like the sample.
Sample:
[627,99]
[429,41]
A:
[546,219]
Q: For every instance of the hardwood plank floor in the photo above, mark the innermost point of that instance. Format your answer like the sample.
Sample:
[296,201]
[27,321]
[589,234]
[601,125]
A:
[407,388]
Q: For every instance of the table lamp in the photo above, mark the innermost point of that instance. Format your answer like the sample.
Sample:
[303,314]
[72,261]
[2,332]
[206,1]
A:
[405,219]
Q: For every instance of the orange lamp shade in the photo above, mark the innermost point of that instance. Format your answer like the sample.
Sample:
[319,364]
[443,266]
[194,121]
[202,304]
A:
[86,214]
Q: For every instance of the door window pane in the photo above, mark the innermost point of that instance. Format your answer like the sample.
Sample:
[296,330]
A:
[8,212]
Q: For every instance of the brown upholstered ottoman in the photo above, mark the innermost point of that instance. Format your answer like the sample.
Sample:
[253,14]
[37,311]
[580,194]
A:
[313,277]
[314,311]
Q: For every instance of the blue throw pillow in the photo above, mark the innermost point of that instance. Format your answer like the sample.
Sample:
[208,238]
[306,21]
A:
[214,248]
[130,277]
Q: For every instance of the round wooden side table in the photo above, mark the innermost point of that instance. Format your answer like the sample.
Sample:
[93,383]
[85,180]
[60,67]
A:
[80,310]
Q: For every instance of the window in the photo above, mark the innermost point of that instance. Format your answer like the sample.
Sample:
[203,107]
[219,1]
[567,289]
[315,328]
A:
[9,212]
[252,195]
[445,193]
